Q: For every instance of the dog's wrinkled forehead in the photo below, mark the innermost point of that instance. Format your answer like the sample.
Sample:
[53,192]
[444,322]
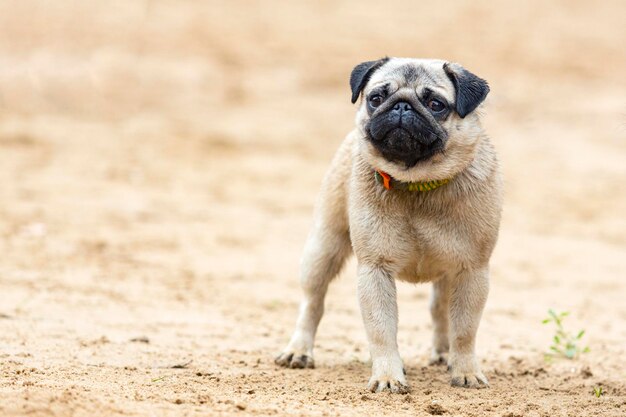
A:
[419,74]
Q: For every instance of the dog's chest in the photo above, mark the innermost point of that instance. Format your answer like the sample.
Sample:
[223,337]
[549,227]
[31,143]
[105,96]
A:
[417,245]
[437,248]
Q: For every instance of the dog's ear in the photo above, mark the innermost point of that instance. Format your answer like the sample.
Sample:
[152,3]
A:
[361,75]
[470,89]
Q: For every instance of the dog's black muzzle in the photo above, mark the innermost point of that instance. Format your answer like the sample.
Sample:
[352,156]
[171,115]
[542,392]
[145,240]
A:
[404,134]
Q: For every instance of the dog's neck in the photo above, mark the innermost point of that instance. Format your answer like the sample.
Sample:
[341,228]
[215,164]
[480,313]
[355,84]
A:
[390,183]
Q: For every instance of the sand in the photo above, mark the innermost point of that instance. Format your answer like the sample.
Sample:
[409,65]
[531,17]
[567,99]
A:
[159,163]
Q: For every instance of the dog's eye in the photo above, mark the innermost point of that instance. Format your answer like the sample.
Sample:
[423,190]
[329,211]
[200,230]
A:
[376,100]
[435,105]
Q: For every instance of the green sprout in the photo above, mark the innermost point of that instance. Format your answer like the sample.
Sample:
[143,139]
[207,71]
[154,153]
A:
[598,391]
[564,343]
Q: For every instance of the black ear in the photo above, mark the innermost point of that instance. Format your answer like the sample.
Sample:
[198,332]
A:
[361,75]
[470,89]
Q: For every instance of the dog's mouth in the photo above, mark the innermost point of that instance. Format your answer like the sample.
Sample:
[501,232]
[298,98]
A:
[401,145]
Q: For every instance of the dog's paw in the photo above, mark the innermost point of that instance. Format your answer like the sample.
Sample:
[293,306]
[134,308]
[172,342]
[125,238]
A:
[388,383]
[295,360]
[466,373]
[470,380]
[388,375]
[438,358]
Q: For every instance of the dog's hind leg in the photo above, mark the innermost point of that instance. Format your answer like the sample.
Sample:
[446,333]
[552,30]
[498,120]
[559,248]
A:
[325,252]
[439,303]
[323,258]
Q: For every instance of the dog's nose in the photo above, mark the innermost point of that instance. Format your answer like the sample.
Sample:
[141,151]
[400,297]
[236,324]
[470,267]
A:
[402,106]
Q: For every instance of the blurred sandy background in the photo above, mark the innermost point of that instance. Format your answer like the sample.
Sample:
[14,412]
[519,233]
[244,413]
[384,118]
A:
[159,161]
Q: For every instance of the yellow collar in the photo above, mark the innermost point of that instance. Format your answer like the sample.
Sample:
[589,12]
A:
[389,183]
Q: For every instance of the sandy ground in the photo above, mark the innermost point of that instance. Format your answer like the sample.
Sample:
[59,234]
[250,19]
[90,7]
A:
[159,162]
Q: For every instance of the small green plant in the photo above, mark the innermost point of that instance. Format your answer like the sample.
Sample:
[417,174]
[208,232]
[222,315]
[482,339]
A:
[564,343]
[598,391]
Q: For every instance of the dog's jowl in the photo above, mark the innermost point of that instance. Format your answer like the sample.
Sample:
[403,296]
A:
[415,192]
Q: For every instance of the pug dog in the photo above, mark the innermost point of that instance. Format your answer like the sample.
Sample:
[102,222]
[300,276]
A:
[416,193]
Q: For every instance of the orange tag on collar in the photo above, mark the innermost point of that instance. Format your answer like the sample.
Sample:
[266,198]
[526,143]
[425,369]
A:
[386,179]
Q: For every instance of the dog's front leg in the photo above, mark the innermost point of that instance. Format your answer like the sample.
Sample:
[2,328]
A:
[468,295]
[377,297]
